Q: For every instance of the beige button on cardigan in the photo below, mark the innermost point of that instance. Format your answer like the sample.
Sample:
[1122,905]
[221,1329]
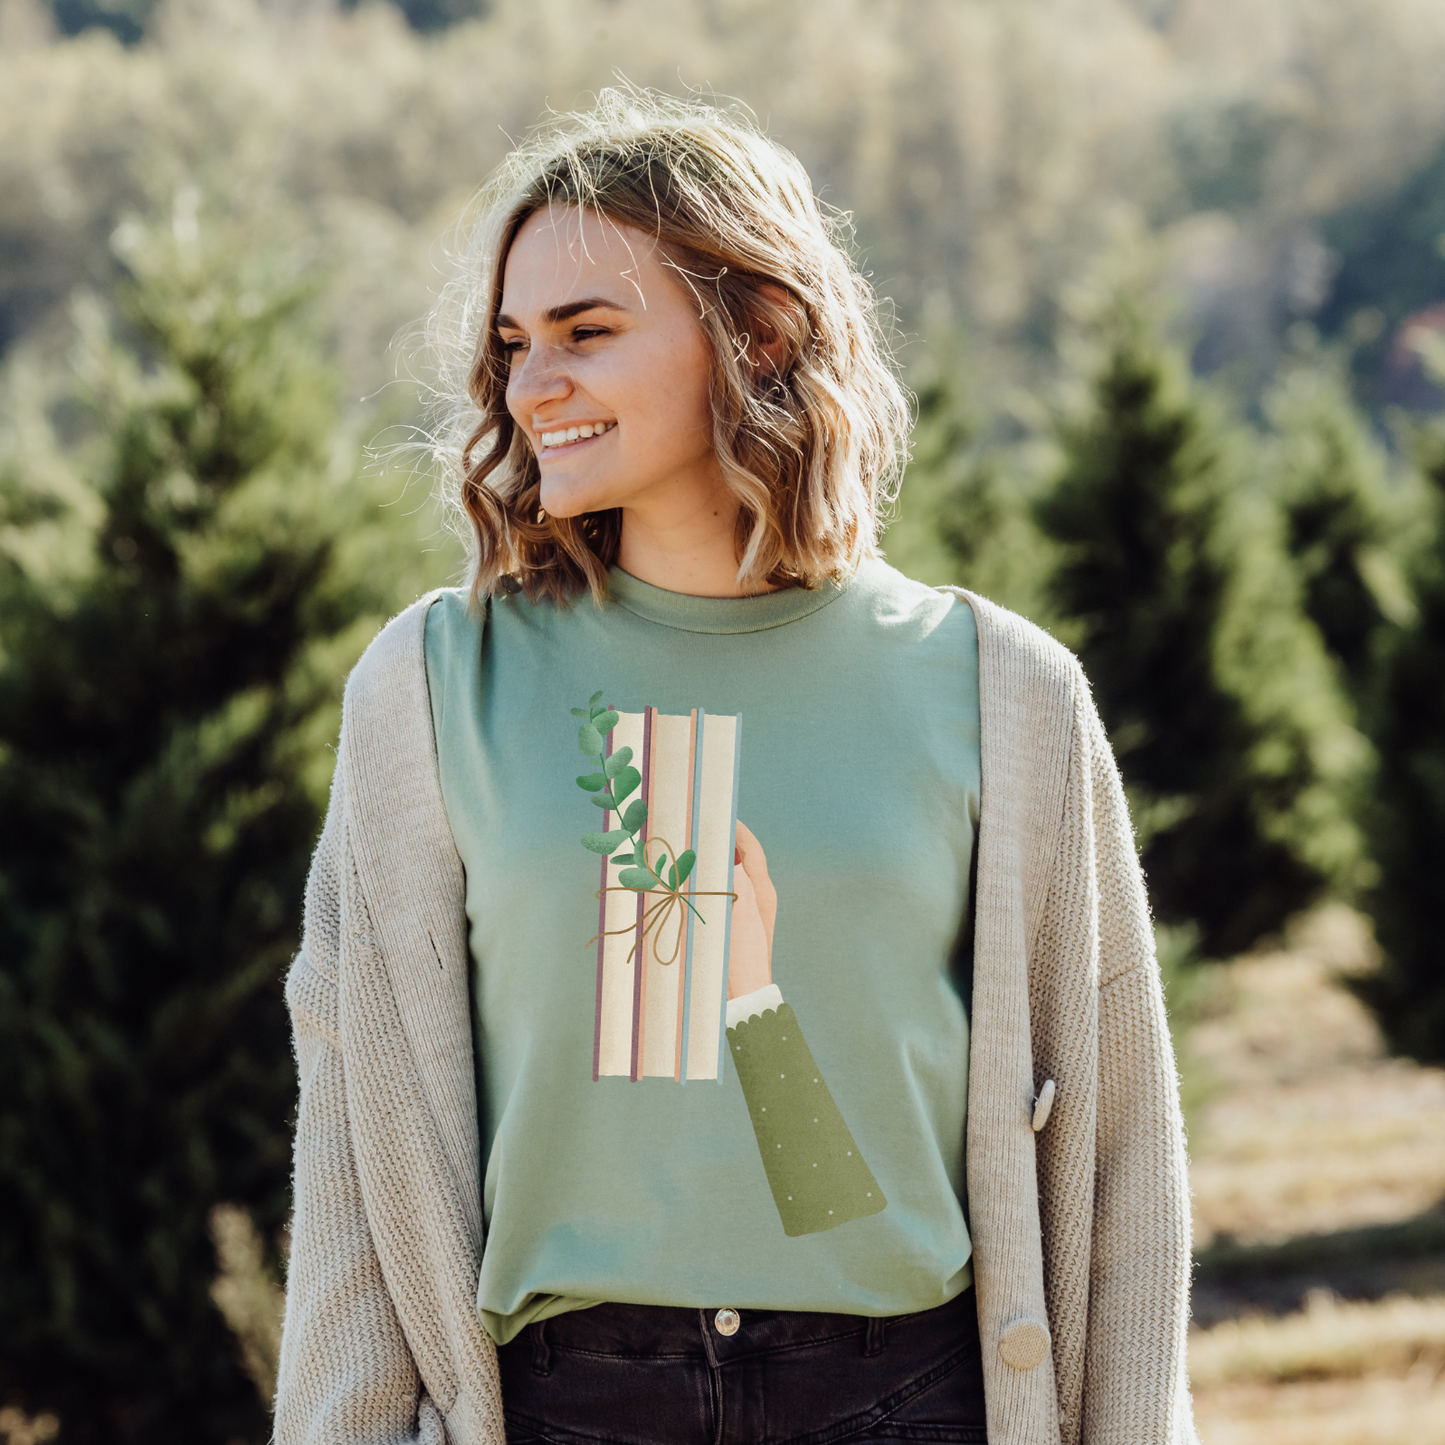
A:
[1080,1230]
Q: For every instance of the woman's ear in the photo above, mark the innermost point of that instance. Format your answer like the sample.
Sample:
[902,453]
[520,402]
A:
[772,343]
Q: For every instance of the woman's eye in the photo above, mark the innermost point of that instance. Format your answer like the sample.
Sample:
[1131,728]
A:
[587,333]
[513,345]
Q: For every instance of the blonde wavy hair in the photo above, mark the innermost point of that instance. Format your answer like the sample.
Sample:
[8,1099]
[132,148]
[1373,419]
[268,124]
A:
[812,447]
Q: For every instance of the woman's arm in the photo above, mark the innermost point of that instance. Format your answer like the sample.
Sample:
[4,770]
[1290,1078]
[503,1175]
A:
[346,1372]
[814,1168]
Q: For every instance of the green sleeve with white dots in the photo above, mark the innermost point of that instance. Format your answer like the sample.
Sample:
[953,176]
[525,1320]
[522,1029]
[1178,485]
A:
[817,1175]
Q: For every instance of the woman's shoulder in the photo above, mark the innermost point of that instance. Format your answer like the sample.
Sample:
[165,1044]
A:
[1005,639]
[391,672]
[1011,638]
[1030,685]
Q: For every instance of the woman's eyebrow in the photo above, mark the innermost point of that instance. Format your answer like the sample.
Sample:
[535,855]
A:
[565,313]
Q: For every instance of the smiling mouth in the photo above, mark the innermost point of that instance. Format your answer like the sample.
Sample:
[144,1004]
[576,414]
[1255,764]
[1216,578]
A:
[571,436]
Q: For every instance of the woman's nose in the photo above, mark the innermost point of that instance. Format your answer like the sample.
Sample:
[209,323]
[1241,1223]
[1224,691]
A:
[541,376]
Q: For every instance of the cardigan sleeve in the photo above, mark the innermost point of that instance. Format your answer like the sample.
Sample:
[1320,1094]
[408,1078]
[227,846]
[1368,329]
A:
[1136,1385]
[346,1372]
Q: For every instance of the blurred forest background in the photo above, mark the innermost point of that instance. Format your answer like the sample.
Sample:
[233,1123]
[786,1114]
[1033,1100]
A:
[1168,283]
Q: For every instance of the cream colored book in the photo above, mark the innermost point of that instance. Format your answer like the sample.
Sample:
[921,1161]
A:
[663,932]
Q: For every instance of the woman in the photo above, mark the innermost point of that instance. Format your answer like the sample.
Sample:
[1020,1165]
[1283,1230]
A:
[798,1069]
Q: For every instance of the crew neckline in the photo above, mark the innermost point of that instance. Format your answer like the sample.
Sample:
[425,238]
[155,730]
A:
[720,614]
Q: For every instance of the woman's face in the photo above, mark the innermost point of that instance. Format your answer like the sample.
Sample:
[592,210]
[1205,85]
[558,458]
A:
[604,337]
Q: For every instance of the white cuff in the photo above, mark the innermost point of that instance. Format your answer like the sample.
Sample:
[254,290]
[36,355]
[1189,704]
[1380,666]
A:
[752,1004]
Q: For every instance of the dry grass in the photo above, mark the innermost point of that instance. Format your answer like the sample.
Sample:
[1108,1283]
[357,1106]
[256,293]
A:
[1308,1129]
[1367,1147]
[251,1301]
[1324,1412]
[1328,1339]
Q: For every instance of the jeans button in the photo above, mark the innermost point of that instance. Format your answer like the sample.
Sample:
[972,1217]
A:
[727,1322]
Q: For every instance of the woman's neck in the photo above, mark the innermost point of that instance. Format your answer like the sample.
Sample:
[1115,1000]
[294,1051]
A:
[689,549]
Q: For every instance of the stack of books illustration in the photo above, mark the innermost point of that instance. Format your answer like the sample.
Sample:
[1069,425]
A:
[662,981]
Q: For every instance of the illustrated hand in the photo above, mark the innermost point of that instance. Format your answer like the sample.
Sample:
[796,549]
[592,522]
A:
[750,965]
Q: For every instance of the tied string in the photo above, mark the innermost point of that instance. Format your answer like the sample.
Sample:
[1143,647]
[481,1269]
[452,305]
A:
[656,915]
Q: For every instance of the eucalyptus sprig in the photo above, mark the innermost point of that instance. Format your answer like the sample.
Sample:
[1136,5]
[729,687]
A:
[610,788]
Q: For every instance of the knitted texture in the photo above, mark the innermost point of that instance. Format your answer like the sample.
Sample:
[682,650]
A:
[382,1341]
[1081,1232]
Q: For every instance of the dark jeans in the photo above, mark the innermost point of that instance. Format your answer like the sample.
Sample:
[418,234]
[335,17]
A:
[639,1375]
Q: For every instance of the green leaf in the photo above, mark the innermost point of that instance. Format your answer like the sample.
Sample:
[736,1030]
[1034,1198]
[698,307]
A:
[595,698]
[617,761]
[589,740]
[602,800]
[637,878]
[672,877]
[625,782]
[684,866]
[593,782]
[657,865]
[624,857]
[635,816]
[582,713]
[606,722]
[605,842]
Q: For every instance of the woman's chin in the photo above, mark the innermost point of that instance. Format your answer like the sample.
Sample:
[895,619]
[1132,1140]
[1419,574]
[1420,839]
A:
[575,497]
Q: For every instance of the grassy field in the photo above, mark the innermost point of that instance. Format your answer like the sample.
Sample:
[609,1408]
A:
[1319,1172]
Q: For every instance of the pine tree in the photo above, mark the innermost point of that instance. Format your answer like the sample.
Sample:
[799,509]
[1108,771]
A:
[1231,737]
[162,690]
[1407,821]
[1341,528]
[1374,586]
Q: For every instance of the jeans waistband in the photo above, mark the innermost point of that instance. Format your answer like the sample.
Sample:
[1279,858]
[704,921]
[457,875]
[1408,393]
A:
[661,1332]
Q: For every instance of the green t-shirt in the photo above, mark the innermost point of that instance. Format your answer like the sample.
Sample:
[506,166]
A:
[857,768]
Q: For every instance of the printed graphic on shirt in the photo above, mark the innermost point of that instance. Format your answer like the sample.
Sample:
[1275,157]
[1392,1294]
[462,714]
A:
[667,786]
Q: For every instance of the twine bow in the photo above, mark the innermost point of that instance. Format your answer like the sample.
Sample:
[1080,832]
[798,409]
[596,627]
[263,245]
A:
[656,914]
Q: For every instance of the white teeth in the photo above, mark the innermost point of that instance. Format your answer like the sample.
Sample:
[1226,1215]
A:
[562,437]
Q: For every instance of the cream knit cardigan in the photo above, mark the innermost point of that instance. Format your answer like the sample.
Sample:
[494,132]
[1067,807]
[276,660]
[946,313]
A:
[1079,1214]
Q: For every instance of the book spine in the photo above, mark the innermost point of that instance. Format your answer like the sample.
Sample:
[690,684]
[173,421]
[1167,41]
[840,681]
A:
[639,964]
[728,914]
[694,781]
[601,944]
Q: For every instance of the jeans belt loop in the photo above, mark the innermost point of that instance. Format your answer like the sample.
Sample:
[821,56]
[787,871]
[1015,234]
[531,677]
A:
[875,1337]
